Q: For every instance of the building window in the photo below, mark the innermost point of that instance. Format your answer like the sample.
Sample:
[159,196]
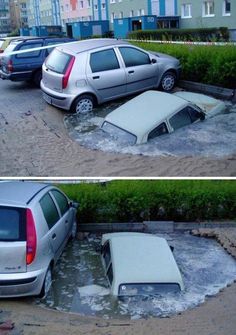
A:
[88,4]
[208,8]
[81,4]
[226,8]
[131,13]
[186,10]
[121,15]
[113,16]
[96,7]
[103,6]
[112,1]
[67,7]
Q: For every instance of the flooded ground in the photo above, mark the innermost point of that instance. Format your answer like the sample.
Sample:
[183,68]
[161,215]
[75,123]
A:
[215,137]
[80,285]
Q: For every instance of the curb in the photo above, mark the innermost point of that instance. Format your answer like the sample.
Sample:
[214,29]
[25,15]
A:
[218,92]
[152,226]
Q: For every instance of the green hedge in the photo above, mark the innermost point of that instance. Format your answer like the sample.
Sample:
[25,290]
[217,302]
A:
[200,34]
[214,65]
[139,200]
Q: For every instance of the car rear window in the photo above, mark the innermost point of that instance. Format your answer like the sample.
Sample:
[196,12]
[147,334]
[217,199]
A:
[12,224]
[58,61]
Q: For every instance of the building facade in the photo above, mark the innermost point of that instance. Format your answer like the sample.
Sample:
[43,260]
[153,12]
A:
[18,14]
[208,13]
[5,23]
[43,13]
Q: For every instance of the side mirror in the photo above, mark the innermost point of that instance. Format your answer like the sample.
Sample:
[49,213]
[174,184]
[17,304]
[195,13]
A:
[153,61]
[74,204]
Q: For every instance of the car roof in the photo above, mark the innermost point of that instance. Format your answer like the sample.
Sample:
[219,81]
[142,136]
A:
[142,113]
[19,193]
[142,258]
[90,44]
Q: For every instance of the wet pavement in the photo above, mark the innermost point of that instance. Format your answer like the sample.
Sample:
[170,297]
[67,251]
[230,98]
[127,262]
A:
[80,285]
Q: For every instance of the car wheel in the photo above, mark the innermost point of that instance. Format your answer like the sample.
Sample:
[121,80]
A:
[37,78]
[47,283]
[168,81]
[83,104]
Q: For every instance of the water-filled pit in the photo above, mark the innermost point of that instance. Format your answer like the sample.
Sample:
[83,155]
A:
[80,285]
[215,137]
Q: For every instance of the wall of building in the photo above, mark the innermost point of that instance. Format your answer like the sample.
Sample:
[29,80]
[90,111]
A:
[4,17]
[197,20]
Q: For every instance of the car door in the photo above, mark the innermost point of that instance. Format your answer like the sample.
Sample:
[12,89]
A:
[66,211]
[55,222]
[105,74]
[141,71]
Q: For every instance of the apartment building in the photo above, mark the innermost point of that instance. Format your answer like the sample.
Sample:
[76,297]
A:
[18,14]
[43,13]
[5,24]
[208,13]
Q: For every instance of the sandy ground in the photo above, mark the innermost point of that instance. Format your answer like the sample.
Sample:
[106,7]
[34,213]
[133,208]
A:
[34,142]
[217,316]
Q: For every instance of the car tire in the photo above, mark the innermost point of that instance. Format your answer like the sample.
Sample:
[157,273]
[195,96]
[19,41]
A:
[47,283]
[168,81]
[83,104]
[37,78]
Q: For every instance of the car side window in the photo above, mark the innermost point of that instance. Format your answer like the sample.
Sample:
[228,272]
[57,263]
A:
[49,209]
[180,119]
[194,114]
[107,254]
[30,54]
[158,131]
[134,57]
[110,274]
[61,201]
[104,60]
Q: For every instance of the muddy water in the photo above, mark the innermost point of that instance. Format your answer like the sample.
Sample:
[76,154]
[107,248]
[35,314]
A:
[80,285]
[215,136]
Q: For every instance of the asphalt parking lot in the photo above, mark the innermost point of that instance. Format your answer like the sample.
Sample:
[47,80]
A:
[35,142]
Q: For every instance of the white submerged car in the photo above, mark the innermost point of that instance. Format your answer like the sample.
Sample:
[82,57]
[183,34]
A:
[154,113]
[139,264]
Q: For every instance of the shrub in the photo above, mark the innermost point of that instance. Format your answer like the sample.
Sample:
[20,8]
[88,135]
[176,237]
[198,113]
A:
[140,200]
[215,65]
[199,34]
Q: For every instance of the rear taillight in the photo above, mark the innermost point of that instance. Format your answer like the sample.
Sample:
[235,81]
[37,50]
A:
[67,73]
[9,66]
[31,243]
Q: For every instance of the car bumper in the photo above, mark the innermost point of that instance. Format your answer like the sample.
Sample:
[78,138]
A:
[60,100]
[21,284]
[16,76]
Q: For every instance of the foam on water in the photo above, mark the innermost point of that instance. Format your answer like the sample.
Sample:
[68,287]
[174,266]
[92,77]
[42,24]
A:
[81,286]
[216,136]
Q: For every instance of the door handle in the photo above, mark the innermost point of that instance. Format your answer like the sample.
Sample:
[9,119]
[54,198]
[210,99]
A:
[131,71]
[96,77]
[54,236]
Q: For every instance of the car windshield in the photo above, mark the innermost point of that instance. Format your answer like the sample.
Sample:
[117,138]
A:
[148,289]
[11,226]
[118,133]
[58,61]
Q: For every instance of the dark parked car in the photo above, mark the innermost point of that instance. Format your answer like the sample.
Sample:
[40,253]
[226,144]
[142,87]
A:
[27,66]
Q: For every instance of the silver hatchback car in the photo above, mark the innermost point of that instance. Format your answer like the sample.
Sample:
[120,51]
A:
[36,221]
[78,76]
